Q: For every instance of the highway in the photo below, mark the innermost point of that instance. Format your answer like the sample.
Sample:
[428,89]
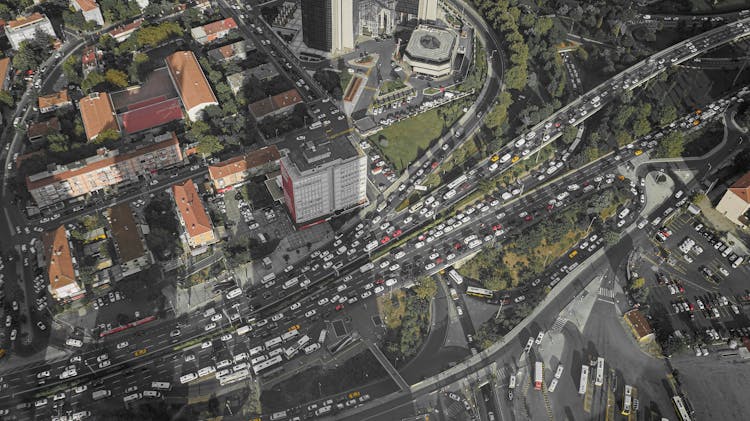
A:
[24,385]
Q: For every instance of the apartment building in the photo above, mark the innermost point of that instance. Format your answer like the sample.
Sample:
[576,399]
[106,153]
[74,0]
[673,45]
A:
[324,177]
[25,28]
[90,10]
[195,221]
[128,239]
[53,101]
[61,265]
[212,31]
[191,83]
[103,171]
[226,174]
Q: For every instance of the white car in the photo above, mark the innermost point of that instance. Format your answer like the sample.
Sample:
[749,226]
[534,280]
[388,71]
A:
[210,326]
[311,313]
[226,337]
[379,289]
[216,317]
[295,306]
[429,266]
[122,345]
[366,294]
[105,363]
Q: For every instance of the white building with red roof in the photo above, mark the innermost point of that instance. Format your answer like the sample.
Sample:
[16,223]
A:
[90,10]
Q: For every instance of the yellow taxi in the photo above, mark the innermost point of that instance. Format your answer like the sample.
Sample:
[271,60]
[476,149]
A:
[140,352]
[494,158]
[353,395]
[573,254]
[515,158]
[293,327]
[638,152]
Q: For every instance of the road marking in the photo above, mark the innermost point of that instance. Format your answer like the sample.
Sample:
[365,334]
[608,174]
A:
[606,292]
[559,324]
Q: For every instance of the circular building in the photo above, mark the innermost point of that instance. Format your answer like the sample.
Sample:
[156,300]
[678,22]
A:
[431,51]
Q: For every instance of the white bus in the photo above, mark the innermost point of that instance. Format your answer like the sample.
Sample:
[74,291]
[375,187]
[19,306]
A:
[267,364]
[268,278]
[291,352]
[303,341]
[584,380]
[290,283]
[680,409]
[627,401]
[243,329]
[275,352]
[458,279]
[257,350]
[234,377]
[367,266]
[278,416]
[457,182]
[322,336]
[273,342]
[599,372]
[288,336]
[416,207]
[538,375]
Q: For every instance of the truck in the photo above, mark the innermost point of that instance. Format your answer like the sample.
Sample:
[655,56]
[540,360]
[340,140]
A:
[538,378]
[316,125]
[454,294]
[101,394]
[367,266]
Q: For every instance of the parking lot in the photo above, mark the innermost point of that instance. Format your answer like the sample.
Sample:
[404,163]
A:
[263,224]
[696,283]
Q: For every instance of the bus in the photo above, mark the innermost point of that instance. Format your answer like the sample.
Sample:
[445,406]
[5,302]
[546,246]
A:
[457,182]
[267,364]
[234,377]
[455,277]
[322,337]
[288,336]
[416,207]
[538,378]
[273,342]
[627,401]
[290,352]
[290,283]
[584,380]
[278,416]
[680,409]
[599,372]
[479,292]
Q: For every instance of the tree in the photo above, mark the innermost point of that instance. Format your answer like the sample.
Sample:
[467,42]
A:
[117,78]
[107,135]
[209,145]
[72,69]
[92,81]
[6,98]
[57,142]
[638,283]
[667,114]
[611,238]
[671,145]
[426,288]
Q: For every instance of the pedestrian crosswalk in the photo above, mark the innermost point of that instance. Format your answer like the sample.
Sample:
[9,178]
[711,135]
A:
[559,323]
[606,292]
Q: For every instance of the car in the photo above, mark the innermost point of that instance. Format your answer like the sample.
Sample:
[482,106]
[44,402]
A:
[519,299]
[539,338]
[226,337]
[339,307]
[122,345]
[459,310]
[209,326]
[105,363]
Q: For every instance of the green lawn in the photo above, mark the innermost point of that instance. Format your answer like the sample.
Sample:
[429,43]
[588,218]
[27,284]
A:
[409,138]
[391,86]
[344,78]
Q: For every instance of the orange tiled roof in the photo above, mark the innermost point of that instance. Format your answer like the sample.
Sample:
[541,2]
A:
[244,162]
[87,5]
[191,209]
[741,187]
[25,20]
[4,66]
[59,258]
[219,26]
[97,114]
[53,99]
[189,78]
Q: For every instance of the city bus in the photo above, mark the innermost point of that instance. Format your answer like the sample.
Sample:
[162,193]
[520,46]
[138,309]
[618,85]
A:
[234,377]
[584,379]
[322,337]
[599,372]
[479,292]
[455,277]
[288,336]
[457,182]
[273,342]
[267,364]
[680,409]
[627,401]
[538,377]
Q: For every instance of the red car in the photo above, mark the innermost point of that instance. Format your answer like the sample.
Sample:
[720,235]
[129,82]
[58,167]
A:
[379,282]
[339,307]
[557,124]
[550,207]
[435,165]
[497,227]
[421,237]
[528,217]
[439,260]
[397,233]
[457,246]
[385,239]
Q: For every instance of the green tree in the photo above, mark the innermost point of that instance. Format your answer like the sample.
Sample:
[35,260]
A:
[638,283]
[6,98]
[426,288]
[116,77]
[92,81]
[57,142]
[671,145]
[209,145]
[641,127]
[516,77]
[667,114]
[107,135]
[72,69]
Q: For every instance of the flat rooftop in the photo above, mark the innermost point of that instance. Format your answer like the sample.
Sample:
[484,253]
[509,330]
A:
[431,44]
[317,150]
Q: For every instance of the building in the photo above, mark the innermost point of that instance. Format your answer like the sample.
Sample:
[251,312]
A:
[38,131]
[210,32]
[5,73]
[128,240]
[234,51]
[97,114]
[104,170]
[227,174]
[25,28]
[121,33]
[237,80]
[417,9]
[61,265]
[150,105]
[198,230]
[378,17]
[54,101]
[431,51]
[90,59]
[428,10]
[275,105]
[191,84]
[324,177]
[142,4]
[329,25]
[735,204]
[265,71]
[90,10]
[639,325]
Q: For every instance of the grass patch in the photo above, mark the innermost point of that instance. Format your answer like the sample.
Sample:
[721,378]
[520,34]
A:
[431,91]
[389,86]
[392,308]
[403,142]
